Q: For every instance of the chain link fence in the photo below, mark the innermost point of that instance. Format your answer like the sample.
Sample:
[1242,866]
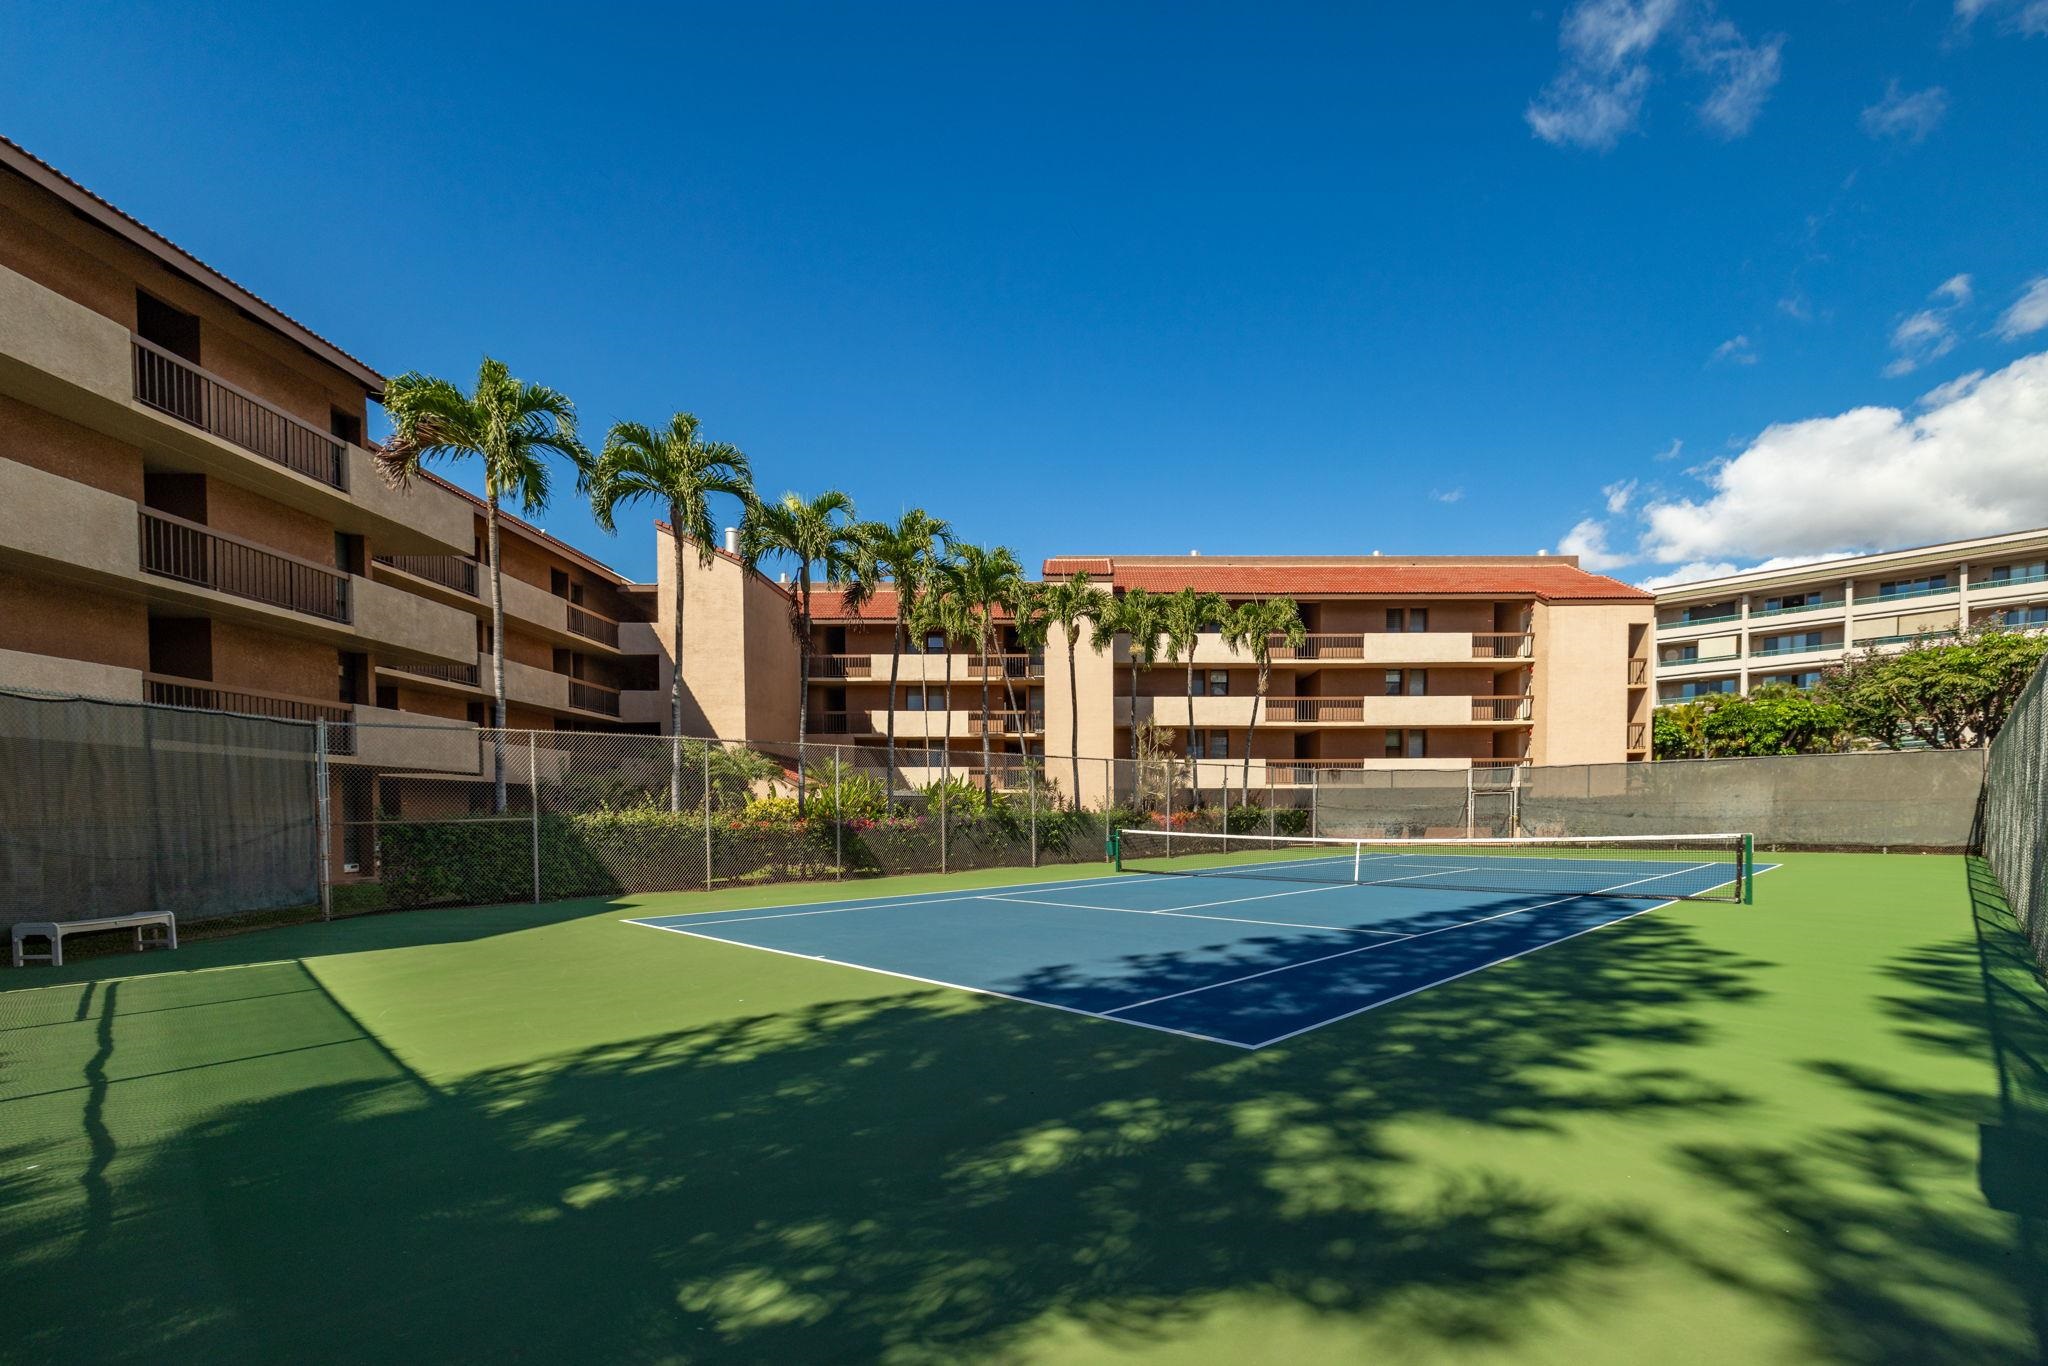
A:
[2015,822]
[125,806]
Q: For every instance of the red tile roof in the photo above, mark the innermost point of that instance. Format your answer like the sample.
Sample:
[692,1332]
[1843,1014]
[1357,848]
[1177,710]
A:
[132,229]
[1560,580]
[828,603]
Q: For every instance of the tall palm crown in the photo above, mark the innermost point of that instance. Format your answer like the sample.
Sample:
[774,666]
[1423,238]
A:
[1137,616]
[901,554]
[1064,606]
[1186,614]
[674,466]
[817,534]
[986,581]
[1251,628]
[510,427]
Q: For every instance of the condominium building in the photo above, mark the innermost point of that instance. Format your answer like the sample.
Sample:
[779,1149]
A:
[1729,634]
[190,512]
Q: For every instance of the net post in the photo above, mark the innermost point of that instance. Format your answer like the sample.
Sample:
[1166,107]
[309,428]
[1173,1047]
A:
[533,801]
[1748,873]
[1116,849]
[322,819]
[1358,861]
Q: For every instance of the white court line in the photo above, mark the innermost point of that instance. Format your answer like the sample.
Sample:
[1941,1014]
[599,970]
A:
[1181,913]
[936,982]
[834,905]
[1490,963]
[1368,948]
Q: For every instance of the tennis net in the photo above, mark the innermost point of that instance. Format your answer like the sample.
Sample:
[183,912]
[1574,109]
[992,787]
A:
[1648,867]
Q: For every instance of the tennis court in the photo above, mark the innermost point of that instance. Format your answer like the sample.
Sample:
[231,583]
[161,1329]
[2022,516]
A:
[1248,941]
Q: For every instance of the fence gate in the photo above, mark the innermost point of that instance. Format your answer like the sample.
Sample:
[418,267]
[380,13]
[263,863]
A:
[1493,798]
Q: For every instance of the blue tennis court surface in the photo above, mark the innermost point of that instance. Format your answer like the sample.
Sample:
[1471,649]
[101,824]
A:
[1248,959]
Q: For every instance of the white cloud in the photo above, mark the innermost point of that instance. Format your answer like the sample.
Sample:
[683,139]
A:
[1871,477]
[1447,495]
[1925,335]
[1743,74]
[2029,17]
[2029,312]
[1720,569]
[1903,117]
[1736,351]
[1588,540]
[1949,392]
[1604,73]
[1619,495]
[1672,451]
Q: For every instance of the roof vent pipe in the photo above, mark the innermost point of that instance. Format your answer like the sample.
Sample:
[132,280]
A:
[732,540]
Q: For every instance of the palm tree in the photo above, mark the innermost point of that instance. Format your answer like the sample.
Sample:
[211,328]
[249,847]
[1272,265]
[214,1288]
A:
[1186,614]
[941,612]
[1135,615]
[1029,626]
[985,581]
[675,467]
[816,533]
[510,427]
[900,553]
[1251,628]
[1065,605]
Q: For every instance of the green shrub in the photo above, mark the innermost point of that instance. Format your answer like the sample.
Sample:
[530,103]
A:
[771,811]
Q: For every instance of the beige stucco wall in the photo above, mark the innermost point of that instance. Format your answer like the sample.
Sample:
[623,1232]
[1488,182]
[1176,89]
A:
[1581,681]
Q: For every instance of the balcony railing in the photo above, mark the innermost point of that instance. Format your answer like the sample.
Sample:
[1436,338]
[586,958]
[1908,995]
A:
[1501,763]
[1503,645]
[843,723]
[1012,666]
[1315,709]
[450,571]
[1637,733]
[1319,646]
[1679,623]
[2010,580]
[469,675]
[1006,723]
[1638,672]
[1801,607]
[173,385]
[167,691]
[1802,648]
[1901,595]
[843,666]
[177,549]
[593,697]
[1516,708]
[591,626]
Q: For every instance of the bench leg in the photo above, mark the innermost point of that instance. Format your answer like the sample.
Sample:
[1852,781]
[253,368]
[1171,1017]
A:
[56,950]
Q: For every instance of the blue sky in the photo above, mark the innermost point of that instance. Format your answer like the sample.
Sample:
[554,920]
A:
[1665,282]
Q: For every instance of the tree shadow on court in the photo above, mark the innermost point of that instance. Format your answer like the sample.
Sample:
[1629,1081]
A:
[913,1177]
[1897,1260]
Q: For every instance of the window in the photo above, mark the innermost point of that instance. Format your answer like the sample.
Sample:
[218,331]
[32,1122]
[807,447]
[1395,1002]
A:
[935,643]
[1811,598]
[1405,682]
[1707,612]
[913,701]
[2010,573]
[1906,588]
[1407,618]
[352,676]
[1393,683]
[1702,688]
[1683,654]
[1806,678]
[1407,744]
[1788,644]
[345,426]
[1209,744]
[1219,683]
[2022,616]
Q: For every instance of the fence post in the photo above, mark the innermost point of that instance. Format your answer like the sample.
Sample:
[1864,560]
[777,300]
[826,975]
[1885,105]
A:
[533,802]
[1226,810]
[1169,784]
[838,813]
[707,815]
[1315,795]
[322,815]
[945,790]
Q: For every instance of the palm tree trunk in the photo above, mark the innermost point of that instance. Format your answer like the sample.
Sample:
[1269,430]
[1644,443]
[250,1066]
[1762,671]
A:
[803,671]
[1074,713]
[947,754]
[497,656]
[1134,713]
[895,660]
[1194,759]
[675,686]
[988,778]
[1258,704]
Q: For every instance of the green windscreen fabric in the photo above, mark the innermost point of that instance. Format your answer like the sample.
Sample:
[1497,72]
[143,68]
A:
[109,808]
[2015,827]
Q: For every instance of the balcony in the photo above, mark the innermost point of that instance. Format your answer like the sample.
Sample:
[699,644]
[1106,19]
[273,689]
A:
[591,626]
[918,666]
[174,386]
[1638,672]
[1510,708]
[464,675]
[1876,601]
[1816,647]
[457,572]
[1638,733]
[586,696]
[201,695]
[1511,645]
[1686,623]
[1834,604]
[174,548]
[1006,723]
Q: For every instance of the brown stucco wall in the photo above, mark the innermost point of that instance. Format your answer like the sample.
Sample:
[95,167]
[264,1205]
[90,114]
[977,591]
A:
[237,512]
[56,446]
[46,617]
[246,657]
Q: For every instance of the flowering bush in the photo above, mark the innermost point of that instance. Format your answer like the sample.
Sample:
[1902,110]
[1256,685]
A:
[770,811]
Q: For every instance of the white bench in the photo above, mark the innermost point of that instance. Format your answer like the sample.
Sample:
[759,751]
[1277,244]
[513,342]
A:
[55,930]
